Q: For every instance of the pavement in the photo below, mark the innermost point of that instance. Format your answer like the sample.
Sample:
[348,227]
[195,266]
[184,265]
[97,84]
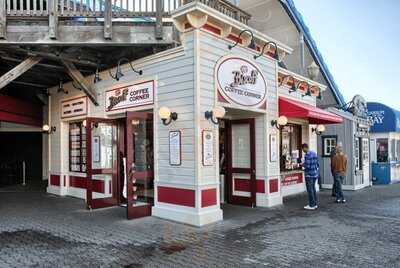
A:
[42,230]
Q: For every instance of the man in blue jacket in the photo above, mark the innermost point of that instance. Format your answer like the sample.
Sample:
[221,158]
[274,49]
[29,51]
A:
[311,173]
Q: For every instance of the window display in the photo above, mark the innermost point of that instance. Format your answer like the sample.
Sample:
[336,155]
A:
[382,150]
[290,147]
[77,147]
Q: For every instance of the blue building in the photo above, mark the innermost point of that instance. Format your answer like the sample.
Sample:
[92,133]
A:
[385,143]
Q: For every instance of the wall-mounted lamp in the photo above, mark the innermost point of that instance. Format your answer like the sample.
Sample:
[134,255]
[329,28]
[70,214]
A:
[166,116]
[118,72]
[61,88]
[48,130]
[276,55]
[280,122]
[215,114]
[252,43]
[84,123]
[318,130]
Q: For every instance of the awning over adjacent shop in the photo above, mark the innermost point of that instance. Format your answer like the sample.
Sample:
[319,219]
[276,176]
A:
[294,109]
[21,112]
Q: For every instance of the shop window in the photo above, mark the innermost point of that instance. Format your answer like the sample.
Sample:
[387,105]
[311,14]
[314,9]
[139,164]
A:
[382,150]
[290,147]
[393,156]
[328,145]
[77,147]
[398,150]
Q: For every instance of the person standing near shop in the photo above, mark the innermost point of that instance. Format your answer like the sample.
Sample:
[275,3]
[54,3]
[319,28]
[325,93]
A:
[311,173]
[339,168]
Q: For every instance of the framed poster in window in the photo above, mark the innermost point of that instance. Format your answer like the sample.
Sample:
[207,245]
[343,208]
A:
[96,149]
[208,148]
[175,148]
[273,148]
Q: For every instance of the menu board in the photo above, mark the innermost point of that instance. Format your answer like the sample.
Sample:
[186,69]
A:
[77,147]
[208,148]
[175,148]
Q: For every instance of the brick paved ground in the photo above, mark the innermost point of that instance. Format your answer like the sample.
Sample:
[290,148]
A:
[40,230]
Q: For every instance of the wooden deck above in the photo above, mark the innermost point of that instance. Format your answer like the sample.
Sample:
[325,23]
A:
[100,22]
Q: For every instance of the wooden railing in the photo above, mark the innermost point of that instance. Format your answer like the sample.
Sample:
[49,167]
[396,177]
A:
[89,8]
[120,8]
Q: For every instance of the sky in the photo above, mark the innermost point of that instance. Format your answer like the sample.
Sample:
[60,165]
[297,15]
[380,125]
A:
[360,42]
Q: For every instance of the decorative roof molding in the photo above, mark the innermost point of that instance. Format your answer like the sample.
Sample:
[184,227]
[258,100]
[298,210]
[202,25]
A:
[198,14]
[284,72]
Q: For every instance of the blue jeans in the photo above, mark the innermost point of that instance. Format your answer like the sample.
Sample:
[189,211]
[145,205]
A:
[312,192]
[339,178]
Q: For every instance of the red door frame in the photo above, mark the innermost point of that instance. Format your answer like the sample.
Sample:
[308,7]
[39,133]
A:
[99,202]
[241,200]
[133,212]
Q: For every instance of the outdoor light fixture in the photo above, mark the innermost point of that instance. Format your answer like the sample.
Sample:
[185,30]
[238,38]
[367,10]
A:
[97,76]
[48,130]
[319,129]
[276,55]
[118,72]
[252,44]
[313,71]
[215,114]
[84,123]
[61,88]
[166,116]
[280,122]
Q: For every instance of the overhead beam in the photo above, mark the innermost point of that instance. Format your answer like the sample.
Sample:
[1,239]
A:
[18,70]
[30,84]
[128,34]
[78,78]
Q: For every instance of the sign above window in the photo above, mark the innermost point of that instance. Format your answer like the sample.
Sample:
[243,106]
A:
[240,82]
[74,107]
[134,95]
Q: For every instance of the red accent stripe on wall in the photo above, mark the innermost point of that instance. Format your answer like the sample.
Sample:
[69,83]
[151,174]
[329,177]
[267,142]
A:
[21,112]
[208,197]
[77,182]
[176,196]
[273,185]
[55,180]
[260,186]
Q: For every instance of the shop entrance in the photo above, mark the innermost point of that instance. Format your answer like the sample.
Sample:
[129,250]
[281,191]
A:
[120,163]
[237,147]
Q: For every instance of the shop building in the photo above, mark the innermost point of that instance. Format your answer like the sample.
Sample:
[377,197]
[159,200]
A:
[385,143]
[354,136]
[154,141]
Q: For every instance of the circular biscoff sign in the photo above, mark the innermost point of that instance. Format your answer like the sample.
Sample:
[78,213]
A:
[240,81]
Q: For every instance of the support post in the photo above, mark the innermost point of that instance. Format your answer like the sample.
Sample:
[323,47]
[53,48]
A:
[108,20]
[78,78]
[53,18]
[18,70]
[3,25]
[159,17]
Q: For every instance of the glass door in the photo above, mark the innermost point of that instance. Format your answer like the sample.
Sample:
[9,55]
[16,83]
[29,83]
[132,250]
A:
[139,182]
[241,162]
[101,159]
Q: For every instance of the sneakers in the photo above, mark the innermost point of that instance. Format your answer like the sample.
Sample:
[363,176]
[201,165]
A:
[343,201]
[310,208]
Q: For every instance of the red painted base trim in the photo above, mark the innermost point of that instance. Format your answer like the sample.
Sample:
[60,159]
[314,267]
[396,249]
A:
[176,196]
[77,182]
[273,186]
[55,180]
[208,197]
[243,185]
